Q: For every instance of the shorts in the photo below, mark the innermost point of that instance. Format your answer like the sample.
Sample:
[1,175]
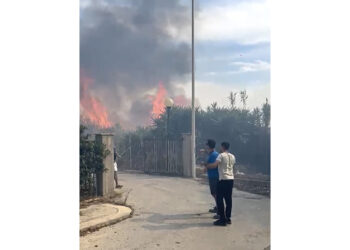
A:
[213,185]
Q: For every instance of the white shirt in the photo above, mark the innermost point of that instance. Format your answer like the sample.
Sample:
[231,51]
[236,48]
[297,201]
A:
[226,161]
[115,166]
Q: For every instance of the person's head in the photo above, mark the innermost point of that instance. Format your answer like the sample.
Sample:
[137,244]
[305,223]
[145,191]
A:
[225,146]
[210,145]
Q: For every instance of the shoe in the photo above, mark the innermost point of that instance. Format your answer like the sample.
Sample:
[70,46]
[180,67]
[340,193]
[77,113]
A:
[219,223]
[213,210]
[119,186]
[216,216]
[228,221]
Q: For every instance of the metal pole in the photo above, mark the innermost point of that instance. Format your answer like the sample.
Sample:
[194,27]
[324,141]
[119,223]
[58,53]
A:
[193,133]
[167,139]
[130,159]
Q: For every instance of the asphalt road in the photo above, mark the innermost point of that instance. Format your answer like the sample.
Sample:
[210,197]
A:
[172,213]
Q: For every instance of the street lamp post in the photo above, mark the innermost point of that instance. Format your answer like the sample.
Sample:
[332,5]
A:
[168,104]
[193,130]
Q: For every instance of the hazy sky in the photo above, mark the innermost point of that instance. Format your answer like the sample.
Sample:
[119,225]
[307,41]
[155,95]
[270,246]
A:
[128,46]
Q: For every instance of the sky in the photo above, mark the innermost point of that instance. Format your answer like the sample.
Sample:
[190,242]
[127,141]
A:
[129,46]
[232,50]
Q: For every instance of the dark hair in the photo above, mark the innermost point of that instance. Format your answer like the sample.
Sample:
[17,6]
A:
[225,145]
[211,143]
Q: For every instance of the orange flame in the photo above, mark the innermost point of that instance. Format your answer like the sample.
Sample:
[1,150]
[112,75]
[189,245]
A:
[158,101]
[92,109]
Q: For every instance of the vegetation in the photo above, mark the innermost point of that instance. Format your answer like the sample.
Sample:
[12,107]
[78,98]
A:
[248,131]
[92,155]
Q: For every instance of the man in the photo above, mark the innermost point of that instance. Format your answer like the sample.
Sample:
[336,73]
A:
[224,163]
[213,174]
[116,156]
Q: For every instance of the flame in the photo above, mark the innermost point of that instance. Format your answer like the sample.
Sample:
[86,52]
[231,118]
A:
[92,109]
[158,101]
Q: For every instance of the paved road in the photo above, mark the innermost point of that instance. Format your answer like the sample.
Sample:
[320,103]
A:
[171,213]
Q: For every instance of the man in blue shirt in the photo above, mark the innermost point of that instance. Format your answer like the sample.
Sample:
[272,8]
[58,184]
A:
[213,174]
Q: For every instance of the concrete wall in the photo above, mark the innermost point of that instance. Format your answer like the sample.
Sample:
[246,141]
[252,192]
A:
[186,155]
[105,180]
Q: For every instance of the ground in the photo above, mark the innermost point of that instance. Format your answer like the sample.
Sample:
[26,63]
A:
[172,213]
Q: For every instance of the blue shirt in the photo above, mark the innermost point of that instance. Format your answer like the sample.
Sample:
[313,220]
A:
[213,172]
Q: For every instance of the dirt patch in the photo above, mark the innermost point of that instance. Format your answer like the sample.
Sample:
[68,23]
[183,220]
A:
[250,184]
[254,186]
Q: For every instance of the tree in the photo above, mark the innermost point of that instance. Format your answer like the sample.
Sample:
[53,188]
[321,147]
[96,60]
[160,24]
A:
[244,98]
[232,99]
[266,113]
[244,129]
[214,106]
[257,117]
[92,155]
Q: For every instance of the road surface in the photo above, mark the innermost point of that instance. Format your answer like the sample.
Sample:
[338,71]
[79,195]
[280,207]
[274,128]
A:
[172,213]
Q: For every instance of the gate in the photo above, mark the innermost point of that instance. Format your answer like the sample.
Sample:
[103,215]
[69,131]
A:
[153,156]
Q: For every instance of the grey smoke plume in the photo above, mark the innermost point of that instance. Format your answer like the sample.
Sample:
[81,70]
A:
[128,47]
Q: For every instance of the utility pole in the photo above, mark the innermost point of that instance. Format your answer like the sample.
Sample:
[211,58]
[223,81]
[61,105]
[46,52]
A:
[130,158]
[193,132]
[167,138]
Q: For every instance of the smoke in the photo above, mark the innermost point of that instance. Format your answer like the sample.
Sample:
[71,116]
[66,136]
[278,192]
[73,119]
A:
[128,47]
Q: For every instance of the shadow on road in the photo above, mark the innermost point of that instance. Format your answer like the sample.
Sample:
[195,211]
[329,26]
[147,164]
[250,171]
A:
[176,221]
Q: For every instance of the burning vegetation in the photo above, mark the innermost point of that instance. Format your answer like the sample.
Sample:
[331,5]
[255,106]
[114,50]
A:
[92,109]
[95,114]
[158,101]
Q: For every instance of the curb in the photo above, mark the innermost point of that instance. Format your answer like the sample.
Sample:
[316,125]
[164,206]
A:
[92,228]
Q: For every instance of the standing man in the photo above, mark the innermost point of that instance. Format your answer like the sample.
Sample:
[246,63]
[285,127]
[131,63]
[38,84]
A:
[213,174]
[116,156]
[225,163]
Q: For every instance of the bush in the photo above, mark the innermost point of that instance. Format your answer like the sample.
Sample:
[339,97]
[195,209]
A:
[92,155]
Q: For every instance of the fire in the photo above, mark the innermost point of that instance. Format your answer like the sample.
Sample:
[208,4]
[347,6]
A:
[158,101]
[92,109]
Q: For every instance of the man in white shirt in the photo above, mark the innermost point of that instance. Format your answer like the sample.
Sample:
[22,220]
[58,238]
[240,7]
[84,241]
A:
[225,162]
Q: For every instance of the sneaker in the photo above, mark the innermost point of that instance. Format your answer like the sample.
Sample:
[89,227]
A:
[216,217]
[219,223]
[228,221]
[213,210]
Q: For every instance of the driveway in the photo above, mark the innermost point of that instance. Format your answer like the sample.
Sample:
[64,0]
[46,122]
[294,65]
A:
[172,213]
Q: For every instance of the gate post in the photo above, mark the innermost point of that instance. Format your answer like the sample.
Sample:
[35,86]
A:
[105,180]
[186,155]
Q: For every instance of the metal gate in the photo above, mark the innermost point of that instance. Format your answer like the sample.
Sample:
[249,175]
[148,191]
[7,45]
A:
[153,156]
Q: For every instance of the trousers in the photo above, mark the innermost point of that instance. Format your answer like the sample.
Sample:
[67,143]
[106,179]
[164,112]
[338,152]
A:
[224,193]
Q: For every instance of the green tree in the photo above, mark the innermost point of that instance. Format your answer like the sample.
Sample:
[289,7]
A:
[246,130]
[92,155]
[257,117]
[266,113]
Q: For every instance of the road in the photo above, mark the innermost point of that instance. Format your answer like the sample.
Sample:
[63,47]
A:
[172,213]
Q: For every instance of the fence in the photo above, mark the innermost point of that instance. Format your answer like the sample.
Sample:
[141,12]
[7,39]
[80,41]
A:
[153,156]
